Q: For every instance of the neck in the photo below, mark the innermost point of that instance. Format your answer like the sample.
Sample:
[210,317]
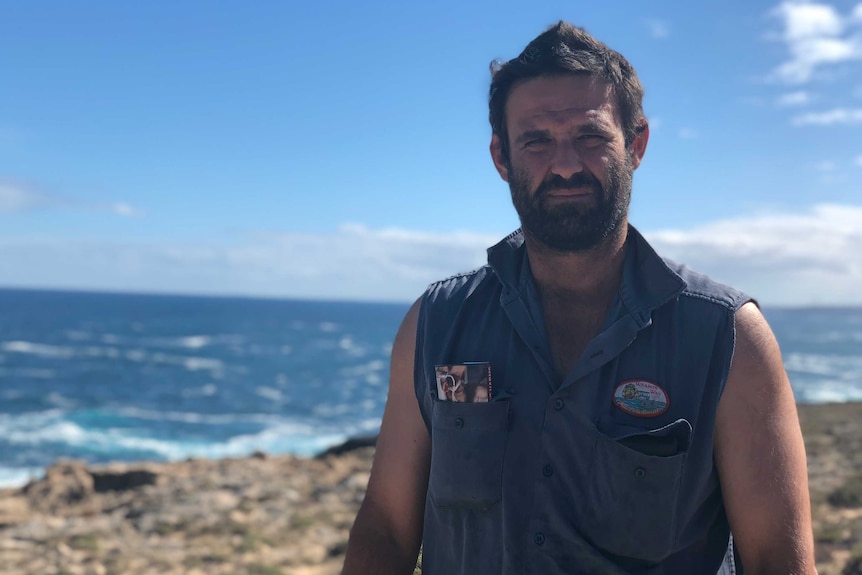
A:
[591,277]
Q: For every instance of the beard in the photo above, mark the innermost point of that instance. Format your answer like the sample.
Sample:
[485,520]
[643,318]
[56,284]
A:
[573,227]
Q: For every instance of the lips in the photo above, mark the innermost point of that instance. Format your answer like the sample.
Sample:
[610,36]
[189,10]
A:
[568,192]
[579,194]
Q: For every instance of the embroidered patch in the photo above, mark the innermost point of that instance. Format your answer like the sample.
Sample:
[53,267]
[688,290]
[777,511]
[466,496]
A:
[641,398]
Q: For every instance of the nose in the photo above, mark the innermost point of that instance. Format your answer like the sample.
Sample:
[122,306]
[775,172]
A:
[567,161]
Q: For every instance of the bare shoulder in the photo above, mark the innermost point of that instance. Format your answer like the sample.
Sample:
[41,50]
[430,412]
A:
[388,530]
[404,347]
[754,337]
[757,367]
[760,454]
[403,444]
[399,475]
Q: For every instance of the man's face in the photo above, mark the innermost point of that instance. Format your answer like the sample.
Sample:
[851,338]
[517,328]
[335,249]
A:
[569,170]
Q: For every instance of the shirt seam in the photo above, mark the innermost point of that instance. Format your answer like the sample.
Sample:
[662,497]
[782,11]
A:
[727,304]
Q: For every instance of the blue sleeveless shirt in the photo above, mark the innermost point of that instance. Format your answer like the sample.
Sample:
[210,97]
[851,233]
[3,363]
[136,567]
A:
[610,471]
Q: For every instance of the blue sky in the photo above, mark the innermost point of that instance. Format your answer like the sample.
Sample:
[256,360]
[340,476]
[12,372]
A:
[339,149]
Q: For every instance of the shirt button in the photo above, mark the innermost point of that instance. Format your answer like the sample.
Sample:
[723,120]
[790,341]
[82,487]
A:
[459,423]
[539,538]
[640,472]
[547,471]
[558,404]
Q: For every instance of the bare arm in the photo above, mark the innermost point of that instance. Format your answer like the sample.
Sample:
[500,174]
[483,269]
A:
[761,456]
[387,533]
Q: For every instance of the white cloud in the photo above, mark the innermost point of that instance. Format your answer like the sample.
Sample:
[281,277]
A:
[793,99]
[779,258]
[16,198]
[825,166]
[815,35]
[809,20]
[687,134]
[353,263]
[831,117]
[814,52]
[859,161]
[658,29]
[857,13]
[125,210]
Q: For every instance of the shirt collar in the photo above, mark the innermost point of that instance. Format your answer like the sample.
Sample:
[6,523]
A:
[647,281]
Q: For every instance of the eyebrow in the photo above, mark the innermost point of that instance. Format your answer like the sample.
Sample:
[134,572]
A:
[531,134]
[590,127]
[586,128]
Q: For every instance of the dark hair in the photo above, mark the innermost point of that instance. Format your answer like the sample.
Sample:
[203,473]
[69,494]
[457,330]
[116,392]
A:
[565,49]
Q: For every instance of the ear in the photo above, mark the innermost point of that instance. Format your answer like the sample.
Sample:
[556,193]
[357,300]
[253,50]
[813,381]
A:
[639,144]
[499,158]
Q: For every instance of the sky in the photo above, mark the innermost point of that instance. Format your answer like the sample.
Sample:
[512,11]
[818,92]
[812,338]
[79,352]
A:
[339,149]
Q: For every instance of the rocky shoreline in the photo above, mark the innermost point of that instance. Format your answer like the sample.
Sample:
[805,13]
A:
[285,515]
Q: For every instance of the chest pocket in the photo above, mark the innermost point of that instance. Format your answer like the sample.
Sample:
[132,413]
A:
[629,508]
[468,442]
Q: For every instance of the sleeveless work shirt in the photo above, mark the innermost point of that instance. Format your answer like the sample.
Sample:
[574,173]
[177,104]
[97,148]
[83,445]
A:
[611,470]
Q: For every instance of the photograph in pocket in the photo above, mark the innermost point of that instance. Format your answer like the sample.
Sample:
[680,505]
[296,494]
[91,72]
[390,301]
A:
[464,382]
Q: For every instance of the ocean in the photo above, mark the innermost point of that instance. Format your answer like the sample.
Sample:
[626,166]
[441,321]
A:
[122,377]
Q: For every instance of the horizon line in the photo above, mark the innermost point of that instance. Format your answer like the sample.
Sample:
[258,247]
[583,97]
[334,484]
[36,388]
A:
[312,299]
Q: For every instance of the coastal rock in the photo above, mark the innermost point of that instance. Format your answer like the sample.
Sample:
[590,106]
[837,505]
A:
[261,514]
[350,445]
[121,481]
[65,484]
[284,515]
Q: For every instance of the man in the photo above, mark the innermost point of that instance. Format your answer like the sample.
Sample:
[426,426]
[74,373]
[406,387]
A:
[639,412]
